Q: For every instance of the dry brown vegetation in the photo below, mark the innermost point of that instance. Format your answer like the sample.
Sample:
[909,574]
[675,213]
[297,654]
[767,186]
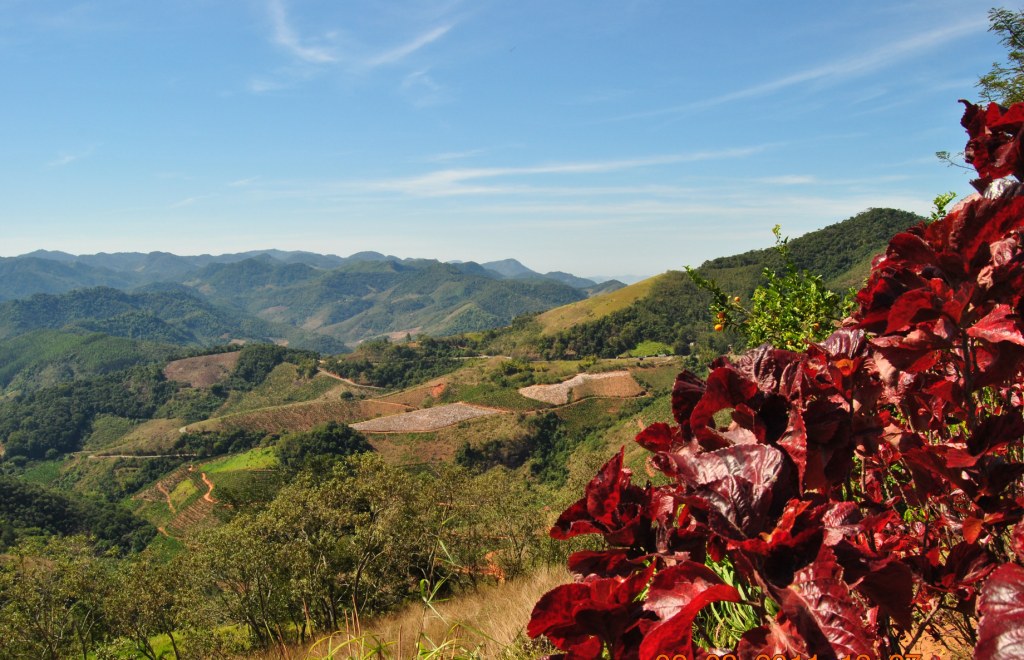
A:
[441,445]
[156,436]
[414,397]
[612,383]
[202,371]
[484,623]
[426,420]
[300,416]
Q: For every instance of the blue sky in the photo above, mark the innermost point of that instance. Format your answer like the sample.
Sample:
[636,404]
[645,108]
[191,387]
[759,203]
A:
[591,136]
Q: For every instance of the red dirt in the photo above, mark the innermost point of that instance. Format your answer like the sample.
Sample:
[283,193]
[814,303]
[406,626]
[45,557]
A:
[208,496]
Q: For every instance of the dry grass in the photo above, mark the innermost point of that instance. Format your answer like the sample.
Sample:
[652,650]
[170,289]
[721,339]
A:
[488,623]
[441,445]
[201,371]
[300,416]
[612,384]
[414,397]
[156,436]
[426,420]
[601,305]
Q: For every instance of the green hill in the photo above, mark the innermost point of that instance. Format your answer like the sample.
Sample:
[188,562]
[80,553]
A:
[671,309]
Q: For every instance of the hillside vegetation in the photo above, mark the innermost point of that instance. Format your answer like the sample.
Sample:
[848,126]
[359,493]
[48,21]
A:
[672,309]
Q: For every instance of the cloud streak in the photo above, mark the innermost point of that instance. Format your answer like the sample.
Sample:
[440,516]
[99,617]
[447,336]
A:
[452,181]
[66,158]
[286,37]
[857,65]
[405,50]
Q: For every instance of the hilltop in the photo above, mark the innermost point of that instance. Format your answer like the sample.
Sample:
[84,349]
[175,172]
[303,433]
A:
[669,309]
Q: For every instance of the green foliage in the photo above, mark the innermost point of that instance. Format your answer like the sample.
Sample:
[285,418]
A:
[787,311]
[940,203]
[384,364]
[673,312]
[59,418]
[47,357]
[256,361]
[320,447]
[217,443]
[1004,83]
[29,509]
[650,348]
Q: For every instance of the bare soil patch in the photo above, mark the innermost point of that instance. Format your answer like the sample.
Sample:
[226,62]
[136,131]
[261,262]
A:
[202,371]
[426,420]
[613,384]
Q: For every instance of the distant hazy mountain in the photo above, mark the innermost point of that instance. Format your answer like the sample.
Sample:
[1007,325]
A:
[510,268]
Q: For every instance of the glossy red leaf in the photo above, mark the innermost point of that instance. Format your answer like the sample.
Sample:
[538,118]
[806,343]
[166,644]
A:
[686,392]
[1001,606]
[584,617]
[676,595]
[612,506]
[1002,323]
[822,609]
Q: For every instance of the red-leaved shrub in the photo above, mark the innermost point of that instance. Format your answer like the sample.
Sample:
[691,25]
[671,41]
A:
[862,487]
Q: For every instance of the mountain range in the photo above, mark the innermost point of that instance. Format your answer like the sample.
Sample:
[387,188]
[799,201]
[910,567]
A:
[304,299]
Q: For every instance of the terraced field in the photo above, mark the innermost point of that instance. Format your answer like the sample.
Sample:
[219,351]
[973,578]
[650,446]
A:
[425,420]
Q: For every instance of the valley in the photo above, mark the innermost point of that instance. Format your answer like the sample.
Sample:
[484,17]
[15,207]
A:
[358,471]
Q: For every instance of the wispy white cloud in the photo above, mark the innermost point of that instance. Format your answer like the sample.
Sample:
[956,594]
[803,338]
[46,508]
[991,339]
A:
[286,37]
[856,65]
[262,85]
[68,157]
[405,50]
[188,201]
[789,180]
[452,181]
[453,155]
[422,90]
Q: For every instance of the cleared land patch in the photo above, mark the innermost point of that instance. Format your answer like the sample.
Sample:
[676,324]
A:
[156,436]
[612,383]
[415,397]
[282,386]
[203,370]
[426,420]
[300,416]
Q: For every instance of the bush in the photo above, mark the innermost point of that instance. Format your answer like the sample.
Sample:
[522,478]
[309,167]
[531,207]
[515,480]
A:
[840,500]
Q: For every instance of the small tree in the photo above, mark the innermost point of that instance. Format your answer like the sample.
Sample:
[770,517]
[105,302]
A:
[1004,83]
[789,310]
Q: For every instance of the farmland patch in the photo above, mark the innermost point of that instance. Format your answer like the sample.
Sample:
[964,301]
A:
[426,420]
[610,384]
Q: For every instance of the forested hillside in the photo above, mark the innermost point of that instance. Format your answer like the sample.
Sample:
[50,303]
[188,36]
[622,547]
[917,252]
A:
[315,301]
[675,310]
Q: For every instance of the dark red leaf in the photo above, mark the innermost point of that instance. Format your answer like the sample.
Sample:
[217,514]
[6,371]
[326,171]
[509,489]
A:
[1002,323]
[676,595]
[584,617]
[1001,606]
[686,392]
[822,609]
[612,506]
[736,487]
[658,437]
